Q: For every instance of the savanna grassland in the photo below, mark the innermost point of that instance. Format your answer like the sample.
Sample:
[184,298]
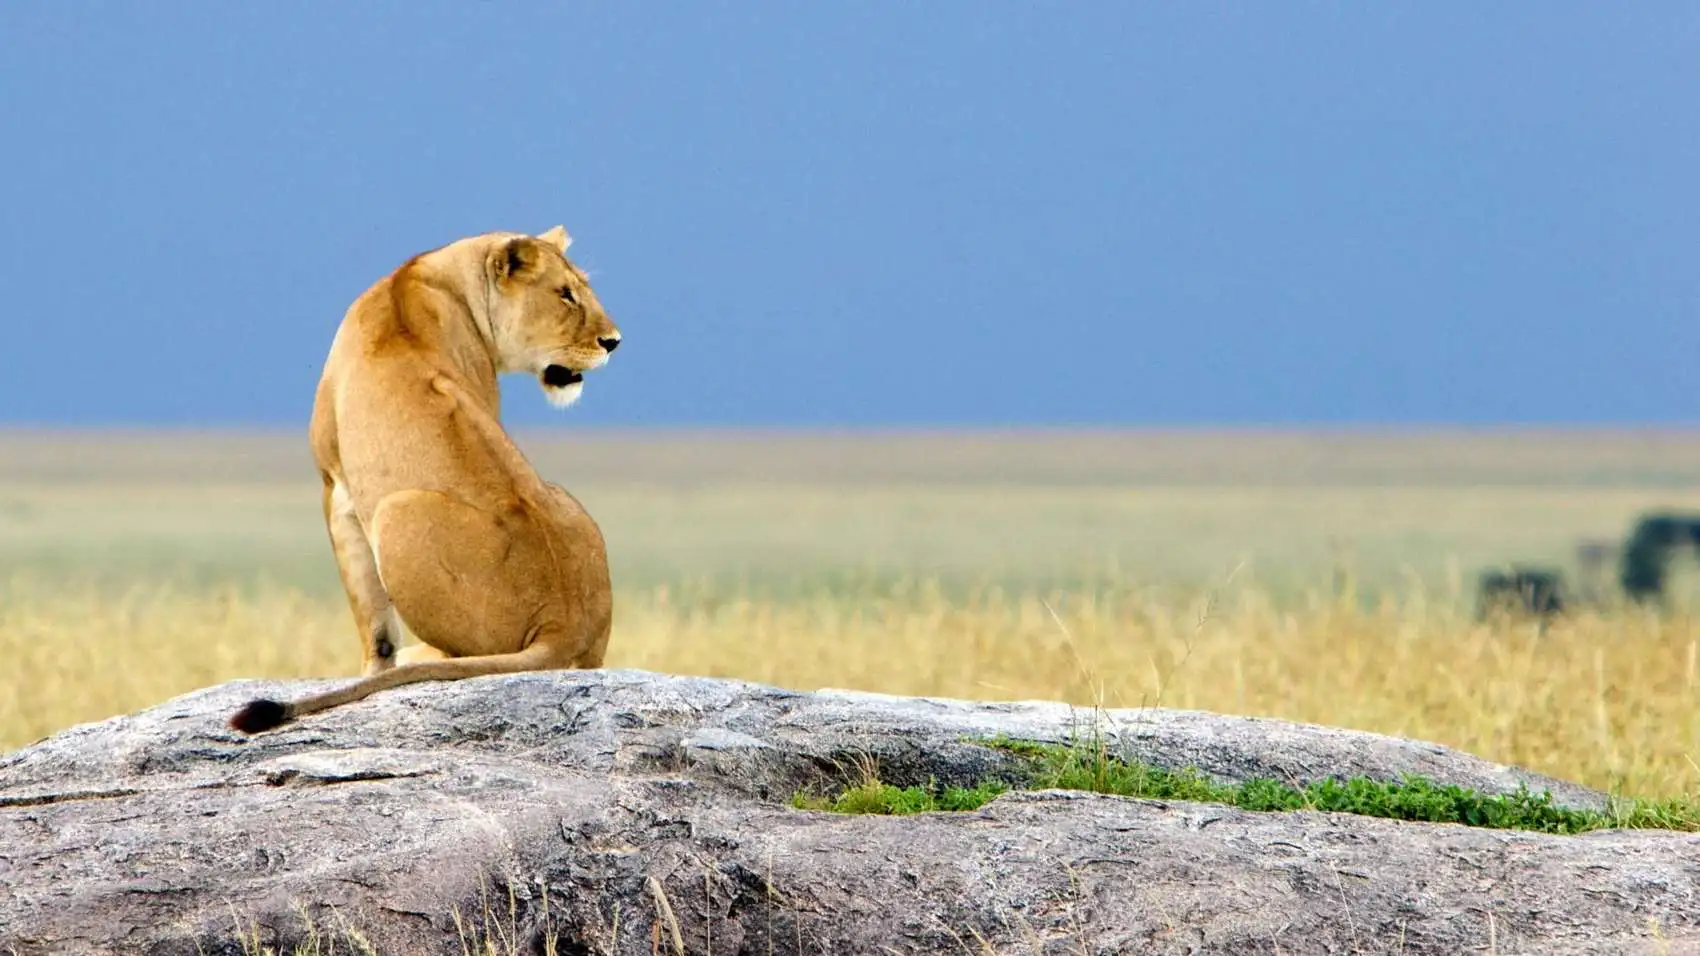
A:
[1314,576]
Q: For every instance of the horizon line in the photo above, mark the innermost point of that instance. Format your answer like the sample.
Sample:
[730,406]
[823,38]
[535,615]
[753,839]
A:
[24,429]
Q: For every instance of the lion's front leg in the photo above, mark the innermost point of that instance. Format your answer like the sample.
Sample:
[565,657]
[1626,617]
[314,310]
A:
[374,612]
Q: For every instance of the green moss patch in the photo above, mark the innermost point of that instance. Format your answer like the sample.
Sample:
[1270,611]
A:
[1088,767]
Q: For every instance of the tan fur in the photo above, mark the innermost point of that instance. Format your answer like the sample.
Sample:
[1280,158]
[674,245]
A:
[436,518]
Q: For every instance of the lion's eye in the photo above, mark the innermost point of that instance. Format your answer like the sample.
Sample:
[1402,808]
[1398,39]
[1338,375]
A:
[567,294]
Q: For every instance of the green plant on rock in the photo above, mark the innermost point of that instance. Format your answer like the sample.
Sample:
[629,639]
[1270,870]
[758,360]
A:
[872,796]
[1087,765]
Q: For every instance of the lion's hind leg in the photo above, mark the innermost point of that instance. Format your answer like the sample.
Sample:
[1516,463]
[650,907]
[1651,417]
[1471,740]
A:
[460,576]
[419,653]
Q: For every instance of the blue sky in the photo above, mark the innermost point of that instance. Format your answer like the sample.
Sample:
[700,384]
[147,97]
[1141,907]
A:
[877,213]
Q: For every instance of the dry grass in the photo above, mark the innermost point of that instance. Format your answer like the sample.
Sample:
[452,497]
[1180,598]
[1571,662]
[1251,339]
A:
[1608,701]
[930,566]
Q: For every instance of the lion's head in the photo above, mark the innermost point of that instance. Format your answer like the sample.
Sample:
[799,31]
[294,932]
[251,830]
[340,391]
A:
[545,319]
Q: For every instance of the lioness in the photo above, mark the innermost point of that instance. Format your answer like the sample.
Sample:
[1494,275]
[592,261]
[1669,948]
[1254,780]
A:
[437,520]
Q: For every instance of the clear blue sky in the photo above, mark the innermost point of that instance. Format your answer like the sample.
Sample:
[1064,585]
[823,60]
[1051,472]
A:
[875,213]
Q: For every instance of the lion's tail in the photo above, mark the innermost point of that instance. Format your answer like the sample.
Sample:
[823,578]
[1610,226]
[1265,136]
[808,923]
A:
[262,714]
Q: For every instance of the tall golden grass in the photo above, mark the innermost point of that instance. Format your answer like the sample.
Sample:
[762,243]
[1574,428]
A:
[1609,701]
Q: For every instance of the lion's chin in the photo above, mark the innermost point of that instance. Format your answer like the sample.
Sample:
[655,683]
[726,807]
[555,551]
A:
[561,396]
[561,385]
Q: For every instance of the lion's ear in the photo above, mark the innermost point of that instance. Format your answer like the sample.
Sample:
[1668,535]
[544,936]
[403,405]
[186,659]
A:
[514,258]
[557,237]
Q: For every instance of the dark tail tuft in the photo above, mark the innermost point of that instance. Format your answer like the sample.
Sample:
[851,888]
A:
[258,715]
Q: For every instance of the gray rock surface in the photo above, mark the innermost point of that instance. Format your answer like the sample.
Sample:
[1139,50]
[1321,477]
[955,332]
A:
[626,812]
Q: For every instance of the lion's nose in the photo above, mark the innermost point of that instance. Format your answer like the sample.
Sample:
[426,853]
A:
[609,345]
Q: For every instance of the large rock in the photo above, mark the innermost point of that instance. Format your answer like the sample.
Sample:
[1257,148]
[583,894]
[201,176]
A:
[625,812]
